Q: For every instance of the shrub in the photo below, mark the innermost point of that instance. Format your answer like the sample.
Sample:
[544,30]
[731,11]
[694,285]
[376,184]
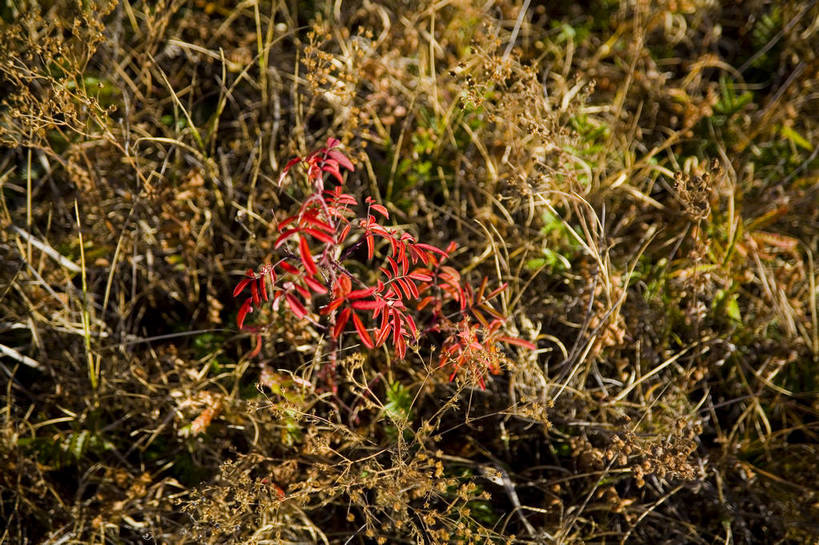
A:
[412,285]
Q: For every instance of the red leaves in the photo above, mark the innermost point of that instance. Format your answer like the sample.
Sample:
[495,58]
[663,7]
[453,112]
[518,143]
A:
[306,257]
[382,334]
[284,236]
[243,311]
[519,342]
[366,305]
[339,158]
[422,275]
[360,294]
[475,347]
[295,305]
[240,286]
[290,164]
[377,207]
[362,332]
[314,248]
[341,321]
[370,246]
[324,237]
[430,248]
[344,233]
[326,159]
[288,267]
[315,285]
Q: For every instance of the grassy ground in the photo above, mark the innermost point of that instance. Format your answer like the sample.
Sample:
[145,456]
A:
[643,175]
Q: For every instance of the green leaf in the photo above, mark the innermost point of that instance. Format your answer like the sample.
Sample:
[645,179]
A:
[77,443]
[725,304]
[399,402]
[796,138]
[536,263]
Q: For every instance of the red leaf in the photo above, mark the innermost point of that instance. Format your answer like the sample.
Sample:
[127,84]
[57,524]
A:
[344,233]
[431,248]
[342,198]
[377,312]
[287,167]
[497,291]
[370,246]
[331,306]
[516,341]
[324,237]
[383,333]
[379,230]
[366,305]
[263,287]
[254,292]
[420,276]
[295,305]
[285,222]
[341,321]
[306,257]
[284,236]
[402,258]
[396,324]
[418,254]
[392,293]
[288,267]
[304,292]
[343,285]
[411,324]
[315,285]
[451,272]
[240,286]
[362,331]
[243,311]
[342,159]
[315,222]
[413,288]
[400,347]
[402,282]
[381,210]
[332,168]
[360,294]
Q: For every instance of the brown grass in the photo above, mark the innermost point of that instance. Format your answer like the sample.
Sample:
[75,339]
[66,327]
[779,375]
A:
[642,174]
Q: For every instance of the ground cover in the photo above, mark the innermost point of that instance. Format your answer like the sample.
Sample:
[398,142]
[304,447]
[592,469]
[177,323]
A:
[565,291]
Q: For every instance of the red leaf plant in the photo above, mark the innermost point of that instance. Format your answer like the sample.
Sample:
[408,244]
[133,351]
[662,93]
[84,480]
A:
[413,283]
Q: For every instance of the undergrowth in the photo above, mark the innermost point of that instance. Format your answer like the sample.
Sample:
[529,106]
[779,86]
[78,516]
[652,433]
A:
[577,303]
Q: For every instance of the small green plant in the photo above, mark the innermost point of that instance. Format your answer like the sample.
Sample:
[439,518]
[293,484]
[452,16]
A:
[729,101]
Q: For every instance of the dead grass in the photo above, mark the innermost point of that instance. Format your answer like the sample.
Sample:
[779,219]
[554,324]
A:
[643,175]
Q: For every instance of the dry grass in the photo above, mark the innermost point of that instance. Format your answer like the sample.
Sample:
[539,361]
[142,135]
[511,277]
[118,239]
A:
[643,174]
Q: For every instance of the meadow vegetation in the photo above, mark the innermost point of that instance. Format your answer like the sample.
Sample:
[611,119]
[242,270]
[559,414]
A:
[638,183]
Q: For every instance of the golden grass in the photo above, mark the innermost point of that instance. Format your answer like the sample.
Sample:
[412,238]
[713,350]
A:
[643,175]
